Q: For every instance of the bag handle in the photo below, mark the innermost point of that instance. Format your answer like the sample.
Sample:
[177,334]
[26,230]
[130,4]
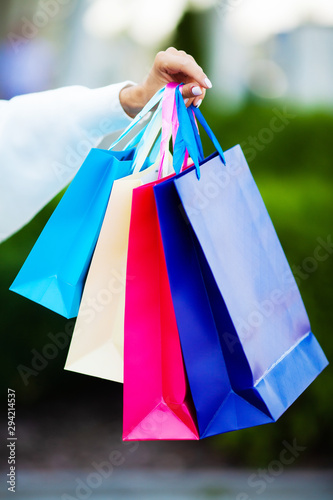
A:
[145,110]
[209,132]
[169,121]
[196,134]
[188,135]
[185,139]
[165,118]
[147,140]
[135,140]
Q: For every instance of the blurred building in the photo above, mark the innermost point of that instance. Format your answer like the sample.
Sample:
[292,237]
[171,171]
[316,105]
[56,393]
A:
[280,48]
[305,55]
[29,69]
[295,64]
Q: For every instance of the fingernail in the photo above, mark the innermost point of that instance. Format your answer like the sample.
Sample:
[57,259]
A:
[185,101]
[208,83]
[181,89]
[196,90]
[198,103]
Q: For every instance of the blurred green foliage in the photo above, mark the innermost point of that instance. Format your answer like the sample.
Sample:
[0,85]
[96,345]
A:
[295,176]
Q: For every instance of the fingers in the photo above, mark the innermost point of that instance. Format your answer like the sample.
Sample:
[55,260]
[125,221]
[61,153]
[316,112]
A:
[188,101]
[175,62]
[175,65]
[193,92]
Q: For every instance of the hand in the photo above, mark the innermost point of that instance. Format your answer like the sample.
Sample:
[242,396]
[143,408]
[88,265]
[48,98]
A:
[170,66]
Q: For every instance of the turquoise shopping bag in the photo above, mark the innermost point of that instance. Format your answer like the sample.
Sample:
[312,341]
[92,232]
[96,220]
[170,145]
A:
[53,274]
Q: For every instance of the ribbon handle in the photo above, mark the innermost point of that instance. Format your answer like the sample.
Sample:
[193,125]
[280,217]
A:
[188,135]
[145,110]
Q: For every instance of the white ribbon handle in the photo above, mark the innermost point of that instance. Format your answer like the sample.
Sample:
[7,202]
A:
[148,139]
[148,107]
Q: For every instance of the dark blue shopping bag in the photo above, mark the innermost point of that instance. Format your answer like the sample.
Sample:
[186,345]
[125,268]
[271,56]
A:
[247,343]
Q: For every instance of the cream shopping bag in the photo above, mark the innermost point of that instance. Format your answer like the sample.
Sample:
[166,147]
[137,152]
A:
[97,343]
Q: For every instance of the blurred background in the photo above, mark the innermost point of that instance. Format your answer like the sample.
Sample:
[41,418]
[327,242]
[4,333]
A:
[265,59]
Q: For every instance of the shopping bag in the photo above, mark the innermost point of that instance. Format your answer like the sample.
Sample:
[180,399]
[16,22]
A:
[246,339]
[157,403]
[97,344]
[53,275]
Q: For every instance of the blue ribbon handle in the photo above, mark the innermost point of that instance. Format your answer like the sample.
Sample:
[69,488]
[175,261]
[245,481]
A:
[196,134]
[185,138]
[208,130]
[188,136]
[136,139]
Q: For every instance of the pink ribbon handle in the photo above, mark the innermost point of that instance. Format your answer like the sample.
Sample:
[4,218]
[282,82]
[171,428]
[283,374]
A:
[169,114]
[169,118]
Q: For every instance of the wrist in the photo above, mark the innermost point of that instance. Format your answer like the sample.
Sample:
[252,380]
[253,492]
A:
[132,99]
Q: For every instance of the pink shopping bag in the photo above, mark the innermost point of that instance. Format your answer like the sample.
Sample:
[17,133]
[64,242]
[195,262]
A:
[157,401]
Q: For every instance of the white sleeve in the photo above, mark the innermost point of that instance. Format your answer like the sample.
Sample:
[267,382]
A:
[44,138]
